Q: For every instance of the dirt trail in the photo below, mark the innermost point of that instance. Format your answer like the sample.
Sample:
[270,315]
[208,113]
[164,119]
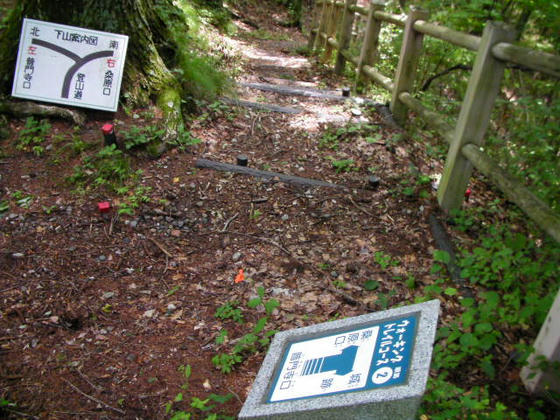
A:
[100,311]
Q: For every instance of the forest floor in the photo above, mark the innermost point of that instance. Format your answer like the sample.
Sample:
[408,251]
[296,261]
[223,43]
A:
[107,315]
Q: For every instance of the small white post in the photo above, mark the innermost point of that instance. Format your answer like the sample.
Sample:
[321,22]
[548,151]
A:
[547,344]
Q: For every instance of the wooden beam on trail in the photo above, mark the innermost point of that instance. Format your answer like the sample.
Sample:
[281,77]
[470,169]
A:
[297,91]
[263,107]
[270,176]
[311,93]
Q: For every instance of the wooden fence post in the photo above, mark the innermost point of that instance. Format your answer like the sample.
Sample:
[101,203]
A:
[483,87]
[322,26]
[368,54]
[315,21]
[406,69]
[331,31]
[547,344]
[345,35]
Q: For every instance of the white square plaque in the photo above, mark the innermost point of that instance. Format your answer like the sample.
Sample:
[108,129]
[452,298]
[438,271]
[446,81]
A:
[69,65]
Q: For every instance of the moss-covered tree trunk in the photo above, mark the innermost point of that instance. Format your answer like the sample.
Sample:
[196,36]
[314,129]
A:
[150,25]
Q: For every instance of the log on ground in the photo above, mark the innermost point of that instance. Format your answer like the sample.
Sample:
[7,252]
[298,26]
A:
[269,176]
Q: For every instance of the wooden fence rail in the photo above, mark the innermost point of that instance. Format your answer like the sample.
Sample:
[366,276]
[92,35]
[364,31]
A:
[466,136]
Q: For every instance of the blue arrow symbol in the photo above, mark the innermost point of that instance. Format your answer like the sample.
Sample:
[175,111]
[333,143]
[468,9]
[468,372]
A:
[342,363]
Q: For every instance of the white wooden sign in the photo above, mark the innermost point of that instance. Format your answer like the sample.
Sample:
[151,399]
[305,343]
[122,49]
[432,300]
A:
[69,65]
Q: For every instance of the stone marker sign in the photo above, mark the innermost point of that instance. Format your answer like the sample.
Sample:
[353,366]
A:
[69,65]
[371,366]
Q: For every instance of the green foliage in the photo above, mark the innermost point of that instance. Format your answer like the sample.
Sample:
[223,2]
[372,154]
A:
[384,260]
[133,200]
[230,310]
[444,400]
[530,149]
[33,135]
[6,403]
[78,146]
[339,284]
[203,12]
[344,165]
[255,214]
[137,136]
[215,110]
[225,362]
[517,279]
[258,338]
[4,206]
[197,406]
[185,139]
[200,77]
[109,167]
[22,199]
[332,137]
[371,285]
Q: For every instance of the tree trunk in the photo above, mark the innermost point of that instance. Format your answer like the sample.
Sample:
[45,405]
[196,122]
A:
[151,25]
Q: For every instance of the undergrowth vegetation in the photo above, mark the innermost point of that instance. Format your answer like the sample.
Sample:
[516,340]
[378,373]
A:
[258,337]
[513,278]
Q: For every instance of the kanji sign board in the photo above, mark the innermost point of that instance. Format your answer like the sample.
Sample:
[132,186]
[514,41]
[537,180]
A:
[69,65]
[373,356]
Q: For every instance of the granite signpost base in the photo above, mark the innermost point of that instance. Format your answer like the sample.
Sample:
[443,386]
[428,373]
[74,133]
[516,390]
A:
[373,366]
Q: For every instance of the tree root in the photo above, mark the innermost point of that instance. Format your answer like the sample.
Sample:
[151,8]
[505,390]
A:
[28,109]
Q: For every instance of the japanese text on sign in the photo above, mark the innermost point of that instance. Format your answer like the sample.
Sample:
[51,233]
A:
[69,65]
[370,357]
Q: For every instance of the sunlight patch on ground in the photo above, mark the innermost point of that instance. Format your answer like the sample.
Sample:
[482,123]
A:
[257,54]
[319,114]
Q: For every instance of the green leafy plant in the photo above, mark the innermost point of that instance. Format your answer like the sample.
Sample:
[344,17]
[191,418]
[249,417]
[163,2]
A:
[222,337]
[137,136]
[332,137]
[197,406]
[255,214]
[185,139]
[33,135]
[516,281]
[173,290]
[108,167]
[22,199]
[339,284]
[251,342]
[133,200]
[344,165]
[4,206]
[371,285]
[384,260]
[186,370]
[230,310]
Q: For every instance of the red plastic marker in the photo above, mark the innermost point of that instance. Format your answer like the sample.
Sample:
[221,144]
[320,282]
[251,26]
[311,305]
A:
[108,131]
[468,194]
[104,207]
